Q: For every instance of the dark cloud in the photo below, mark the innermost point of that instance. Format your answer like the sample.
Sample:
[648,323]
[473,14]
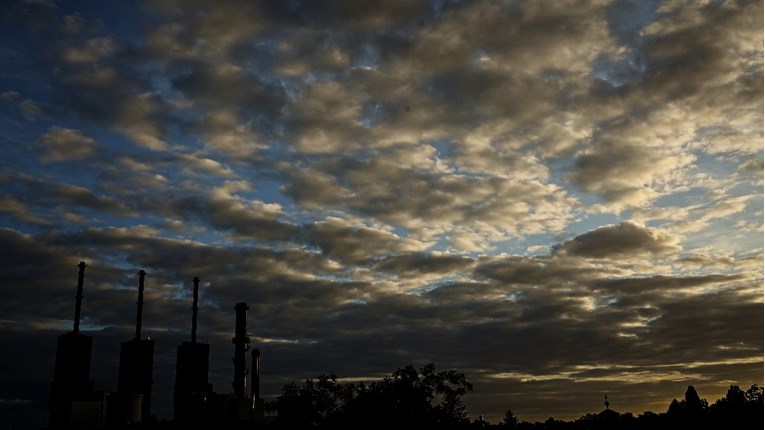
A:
[528,270]
[372,15]
[23,256]
[413,264]
[356,244]
[313,52]
[392,192]
[623,174]
[226,86]
[666,284]
[624,240]
[54,199]
[683,44]
[325,118]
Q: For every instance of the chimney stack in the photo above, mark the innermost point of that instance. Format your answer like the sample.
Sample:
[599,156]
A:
[71,374]
[192,389]
[241,344]
[255,375]
[134,383]
[78,298]
[139,312]
[194,309]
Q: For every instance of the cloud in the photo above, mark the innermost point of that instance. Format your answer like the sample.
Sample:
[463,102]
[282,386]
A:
[694,218]
[137,119]
[422,199]
[414,264]
[531,271]
[388,181]
[199,165]
[65,144]
[29,108]
[50,200]
[225,86]
[667,285]
[727,207]
[355,244]
[327,117]
[93,51]
[309,52]
[224,209]
[623,240]
[224,133]
[625,175]
[496,27]
[372,15]
[314,189]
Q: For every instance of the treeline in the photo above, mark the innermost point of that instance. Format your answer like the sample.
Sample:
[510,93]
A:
[737,410]
[428,399]
[418,398]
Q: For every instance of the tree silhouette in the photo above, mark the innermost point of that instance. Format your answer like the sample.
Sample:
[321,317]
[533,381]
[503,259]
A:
[428,399]
[691,409]
[675,407]
[738,408]
[316,403]
[408,397]
[754,395]
[694,405]
[509,420]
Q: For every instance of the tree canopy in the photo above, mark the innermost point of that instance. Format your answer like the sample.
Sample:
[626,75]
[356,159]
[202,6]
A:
[425,398]
[413,397]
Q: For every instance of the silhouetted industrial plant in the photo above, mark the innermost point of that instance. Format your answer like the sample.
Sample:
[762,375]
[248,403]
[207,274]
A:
[75,404]
[409,398]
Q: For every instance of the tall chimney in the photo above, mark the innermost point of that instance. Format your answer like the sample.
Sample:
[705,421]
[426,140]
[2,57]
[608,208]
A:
[71,374]
[240,341]
[192,389]
[194,309]
[78,298]
[255,375]
[136,371]
[139,312]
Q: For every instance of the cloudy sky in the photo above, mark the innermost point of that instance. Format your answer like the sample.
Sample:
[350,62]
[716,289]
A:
[558,198]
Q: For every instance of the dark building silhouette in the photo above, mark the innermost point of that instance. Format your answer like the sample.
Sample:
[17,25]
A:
[193,394]
[241,344]
[135,371]
[194,400]
[238,406]
[608,414]
[258,404]
[71,386]
[74,404]
[255,385]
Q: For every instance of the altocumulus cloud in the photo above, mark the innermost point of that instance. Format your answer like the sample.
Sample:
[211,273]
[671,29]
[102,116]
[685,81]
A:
[626,239]
[558,199]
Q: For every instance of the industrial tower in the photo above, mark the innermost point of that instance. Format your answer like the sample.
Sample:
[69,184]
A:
[71,376]
[193,393]
[135,373]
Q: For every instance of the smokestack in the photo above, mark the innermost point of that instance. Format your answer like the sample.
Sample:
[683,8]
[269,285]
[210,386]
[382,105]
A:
[139,312]
[240,341]
[255,375]
[71,374]
[192,388]
[194,309]
[78,297]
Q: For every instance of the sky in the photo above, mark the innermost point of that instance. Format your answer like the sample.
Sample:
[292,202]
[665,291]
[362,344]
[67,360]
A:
[560,199]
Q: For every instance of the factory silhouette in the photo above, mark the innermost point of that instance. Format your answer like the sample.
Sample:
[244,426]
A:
[402,400]
[73,403]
